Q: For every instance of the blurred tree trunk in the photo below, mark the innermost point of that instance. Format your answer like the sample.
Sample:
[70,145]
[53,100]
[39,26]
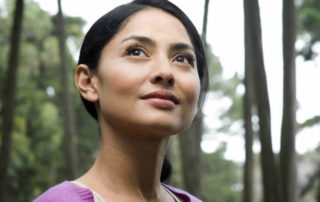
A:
[270,183]
[68,109]
[191,156]
[8,100]
[288,130]
[248,105]
[205,22]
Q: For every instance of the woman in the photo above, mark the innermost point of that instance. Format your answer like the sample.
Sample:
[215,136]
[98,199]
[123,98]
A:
[142,75]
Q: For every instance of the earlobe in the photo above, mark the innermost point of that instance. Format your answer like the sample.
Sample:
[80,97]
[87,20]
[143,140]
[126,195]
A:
[85,84]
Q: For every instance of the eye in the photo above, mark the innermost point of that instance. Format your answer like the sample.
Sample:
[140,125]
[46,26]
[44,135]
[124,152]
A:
[185,59]
[135,51]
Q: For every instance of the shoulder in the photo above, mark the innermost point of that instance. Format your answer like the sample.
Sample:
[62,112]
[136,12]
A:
[183,195]
[66,192]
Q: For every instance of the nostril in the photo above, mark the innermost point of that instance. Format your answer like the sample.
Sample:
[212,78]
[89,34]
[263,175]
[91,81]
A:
[164,79]
[158,79]
[171,81]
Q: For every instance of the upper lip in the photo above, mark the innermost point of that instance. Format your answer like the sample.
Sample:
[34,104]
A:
[162,94]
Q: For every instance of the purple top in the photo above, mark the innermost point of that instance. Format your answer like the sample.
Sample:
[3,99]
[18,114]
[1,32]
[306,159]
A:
[69,192]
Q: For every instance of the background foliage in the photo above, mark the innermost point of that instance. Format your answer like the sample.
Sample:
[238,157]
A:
[36,161]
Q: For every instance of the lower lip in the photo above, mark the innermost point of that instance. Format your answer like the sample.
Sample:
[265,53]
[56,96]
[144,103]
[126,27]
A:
[161,103]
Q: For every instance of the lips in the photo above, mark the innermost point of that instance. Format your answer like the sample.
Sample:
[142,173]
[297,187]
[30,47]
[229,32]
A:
[162,98]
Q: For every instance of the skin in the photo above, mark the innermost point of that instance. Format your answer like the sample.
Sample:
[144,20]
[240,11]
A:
[143,57]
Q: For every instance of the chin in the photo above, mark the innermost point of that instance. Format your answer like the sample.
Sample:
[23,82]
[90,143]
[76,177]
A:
[167,123]
[156,123]
[166,127]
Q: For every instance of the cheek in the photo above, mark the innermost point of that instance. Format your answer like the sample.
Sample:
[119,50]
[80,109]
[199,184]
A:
[118,91]
[192,90]
[120,88]
[122,81]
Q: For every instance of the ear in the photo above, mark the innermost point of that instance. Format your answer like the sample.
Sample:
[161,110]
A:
[84,80]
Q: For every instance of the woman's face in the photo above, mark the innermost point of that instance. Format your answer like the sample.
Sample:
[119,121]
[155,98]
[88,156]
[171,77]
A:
[147,77]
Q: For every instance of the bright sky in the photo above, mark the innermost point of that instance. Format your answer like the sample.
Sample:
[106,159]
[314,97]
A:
[225,35]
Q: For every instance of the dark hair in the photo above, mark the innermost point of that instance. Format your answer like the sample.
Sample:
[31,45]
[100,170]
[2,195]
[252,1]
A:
[104,29]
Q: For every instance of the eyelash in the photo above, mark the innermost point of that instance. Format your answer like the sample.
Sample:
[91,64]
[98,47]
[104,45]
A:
[190,58]
[130,51]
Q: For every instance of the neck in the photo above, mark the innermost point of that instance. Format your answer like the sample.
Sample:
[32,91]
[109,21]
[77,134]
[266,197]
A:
[127,164]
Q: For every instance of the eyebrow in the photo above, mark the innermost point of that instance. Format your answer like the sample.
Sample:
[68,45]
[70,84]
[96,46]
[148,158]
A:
[147,40]
[141,39]
[181,47]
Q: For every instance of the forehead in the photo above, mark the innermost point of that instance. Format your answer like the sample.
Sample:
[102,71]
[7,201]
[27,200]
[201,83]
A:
[153,23]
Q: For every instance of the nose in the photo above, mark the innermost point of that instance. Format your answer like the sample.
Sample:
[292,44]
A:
[162,73]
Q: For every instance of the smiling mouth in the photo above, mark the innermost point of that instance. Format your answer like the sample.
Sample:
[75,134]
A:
[162,99]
